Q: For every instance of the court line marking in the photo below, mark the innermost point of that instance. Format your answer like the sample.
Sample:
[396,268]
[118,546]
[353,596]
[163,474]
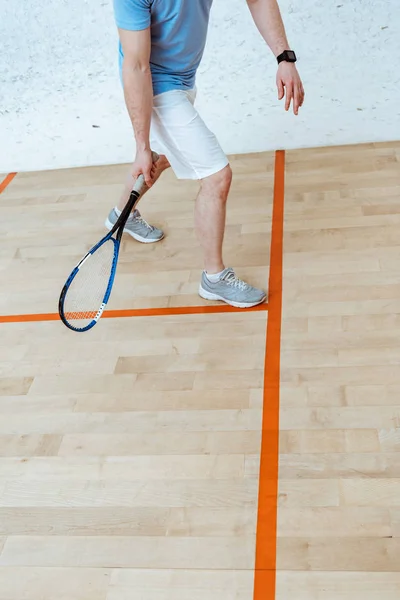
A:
[140,312]
[266,532]
[6,181]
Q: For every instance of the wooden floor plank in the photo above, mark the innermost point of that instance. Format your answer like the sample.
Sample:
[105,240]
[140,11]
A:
[130,552]
[123,521]
[179,585]
[31,583]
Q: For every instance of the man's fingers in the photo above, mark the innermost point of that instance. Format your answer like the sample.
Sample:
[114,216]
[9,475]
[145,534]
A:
[289,94]
[144,166]
[296,100]
[148,177]
[281,90]
[135,175]
[302,94]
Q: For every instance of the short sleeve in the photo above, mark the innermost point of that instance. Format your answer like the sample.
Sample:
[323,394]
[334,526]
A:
[133,15]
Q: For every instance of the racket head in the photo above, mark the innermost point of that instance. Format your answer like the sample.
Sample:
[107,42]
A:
[88,288]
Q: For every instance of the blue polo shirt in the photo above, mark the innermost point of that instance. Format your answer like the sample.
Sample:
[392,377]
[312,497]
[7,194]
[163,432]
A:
[178,36]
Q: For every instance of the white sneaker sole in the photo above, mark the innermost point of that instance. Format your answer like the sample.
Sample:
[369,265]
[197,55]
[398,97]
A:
[209,296]
[135,236]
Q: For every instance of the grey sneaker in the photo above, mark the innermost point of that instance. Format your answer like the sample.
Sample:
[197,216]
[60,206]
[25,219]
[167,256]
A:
[137,227]
[231,290]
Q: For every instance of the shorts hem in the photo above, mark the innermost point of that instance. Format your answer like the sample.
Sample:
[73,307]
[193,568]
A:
[197,175]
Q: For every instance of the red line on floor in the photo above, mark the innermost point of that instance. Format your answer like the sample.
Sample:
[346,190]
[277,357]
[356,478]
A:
[6,181]
[140,312]
[265,564]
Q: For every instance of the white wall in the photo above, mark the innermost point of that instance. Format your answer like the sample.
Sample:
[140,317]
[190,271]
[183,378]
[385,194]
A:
[59,77]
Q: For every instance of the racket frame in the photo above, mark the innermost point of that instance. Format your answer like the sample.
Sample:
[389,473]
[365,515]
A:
[118,228]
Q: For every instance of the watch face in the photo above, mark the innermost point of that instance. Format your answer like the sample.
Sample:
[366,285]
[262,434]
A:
[291,55]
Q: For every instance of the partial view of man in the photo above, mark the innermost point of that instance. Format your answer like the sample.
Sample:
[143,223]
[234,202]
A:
[161,46]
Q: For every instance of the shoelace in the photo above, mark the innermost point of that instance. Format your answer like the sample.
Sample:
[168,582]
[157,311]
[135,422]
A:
[139,219]
[231,279]
[145,223]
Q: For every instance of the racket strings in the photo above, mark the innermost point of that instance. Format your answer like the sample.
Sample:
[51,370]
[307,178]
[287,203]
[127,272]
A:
[84,300]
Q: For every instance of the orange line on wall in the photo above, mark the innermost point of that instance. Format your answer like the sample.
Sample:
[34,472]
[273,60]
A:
[266,537]
[6,181]
[140,312]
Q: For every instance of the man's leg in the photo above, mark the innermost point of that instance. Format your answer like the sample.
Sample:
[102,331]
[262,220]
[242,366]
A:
[217,282]
[194,153]
[210,213]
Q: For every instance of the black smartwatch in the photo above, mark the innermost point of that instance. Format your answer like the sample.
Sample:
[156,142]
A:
[287,56]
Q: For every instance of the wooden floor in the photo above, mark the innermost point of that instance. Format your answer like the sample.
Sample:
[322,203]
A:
[129,456]
[339,504]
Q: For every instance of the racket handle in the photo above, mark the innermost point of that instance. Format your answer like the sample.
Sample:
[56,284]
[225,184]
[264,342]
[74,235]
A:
[140,185]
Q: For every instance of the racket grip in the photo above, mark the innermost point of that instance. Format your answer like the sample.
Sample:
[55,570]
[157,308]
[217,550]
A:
[140,185]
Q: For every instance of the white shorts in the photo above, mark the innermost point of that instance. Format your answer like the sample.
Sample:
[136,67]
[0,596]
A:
[178,131]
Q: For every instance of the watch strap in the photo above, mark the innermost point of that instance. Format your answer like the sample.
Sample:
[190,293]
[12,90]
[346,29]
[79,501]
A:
[288,56]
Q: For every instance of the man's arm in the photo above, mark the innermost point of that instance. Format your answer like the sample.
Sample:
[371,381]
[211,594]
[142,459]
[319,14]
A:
[138,91]
[267,17]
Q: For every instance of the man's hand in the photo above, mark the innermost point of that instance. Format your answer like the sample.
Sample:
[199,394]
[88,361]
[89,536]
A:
[289,78]
[144,165]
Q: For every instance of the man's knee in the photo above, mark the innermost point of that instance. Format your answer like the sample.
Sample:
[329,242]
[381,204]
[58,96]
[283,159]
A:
[219,183]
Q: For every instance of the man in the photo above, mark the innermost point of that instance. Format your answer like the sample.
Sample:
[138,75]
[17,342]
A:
[161,46]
